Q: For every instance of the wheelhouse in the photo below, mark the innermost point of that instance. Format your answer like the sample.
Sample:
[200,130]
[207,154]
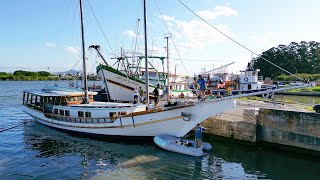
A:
[38,100]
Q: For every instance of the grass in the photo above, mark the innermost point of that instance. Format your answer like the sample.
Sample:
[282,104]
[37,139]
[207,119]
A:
[308,89]
[255,98]
[309,108]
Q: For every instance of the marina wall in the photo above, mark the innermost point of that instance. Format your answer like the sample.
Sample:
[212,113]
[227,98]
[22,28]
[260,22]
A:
[297,131]
[239,124]
[290,128]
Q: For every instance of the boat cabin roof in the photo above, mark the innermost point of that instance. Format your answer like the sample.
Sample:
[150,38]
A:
[58,92]
[105,104]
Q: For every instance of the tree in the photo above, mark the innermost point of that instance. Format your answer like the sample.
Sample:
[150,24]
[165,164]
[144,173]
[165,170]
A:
[303,57]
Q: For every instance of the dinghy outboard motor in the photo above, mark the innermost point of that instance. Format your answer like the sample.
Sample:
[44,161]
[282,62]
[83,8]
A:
[187,115]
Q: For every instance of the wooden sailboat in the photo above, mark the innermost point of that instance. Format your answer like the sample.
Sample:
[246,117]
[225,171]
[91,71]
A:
[76,111]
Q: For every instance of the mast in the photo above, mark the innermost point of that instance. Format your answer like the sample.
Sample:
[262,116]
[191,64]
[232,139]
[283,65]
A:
[146,50]
[168,73]
[84,74]
[135,46]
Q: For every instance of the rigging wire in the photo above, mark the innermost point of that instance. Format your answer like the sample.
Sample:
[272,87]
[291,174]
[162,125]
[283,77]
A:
[137,25]
[101,28]
[172,39]
[201,60]
[238,42]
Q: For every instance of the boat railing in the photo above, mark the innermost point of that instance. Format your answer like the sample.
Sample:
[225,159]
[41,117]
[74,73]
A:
[98,119]
[35,107]
[83,119]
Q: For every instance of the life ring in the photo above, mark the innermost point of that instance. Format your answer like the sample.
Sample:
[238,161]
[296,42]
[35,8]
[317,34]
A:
[246,79]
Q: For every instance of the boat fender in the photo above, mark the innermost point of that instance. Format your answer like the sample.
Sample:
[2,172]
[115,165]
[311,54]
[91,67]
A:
[186,116]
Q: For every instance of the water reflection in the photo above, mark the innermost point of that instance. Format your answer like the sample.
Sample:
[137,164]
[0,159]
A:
[86,158]
[54,154]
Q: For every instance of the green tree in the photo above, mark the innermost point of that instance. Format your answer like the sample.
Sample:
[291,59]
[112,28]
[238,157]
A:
[303,57]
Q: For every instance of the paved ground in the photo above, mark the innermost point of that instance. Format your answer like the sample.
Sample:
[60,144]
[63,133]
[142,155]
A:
[246,110]
[275,105]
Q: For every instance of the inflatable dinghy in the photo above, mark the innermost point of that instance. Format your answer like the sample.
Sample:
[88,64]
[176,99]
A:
[184,146]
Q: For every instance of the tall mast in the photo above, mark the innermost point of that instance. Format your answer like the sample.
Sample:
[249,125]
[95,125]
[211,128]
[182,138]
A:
[135,46]
[84,74]
[168,73]
[146,50]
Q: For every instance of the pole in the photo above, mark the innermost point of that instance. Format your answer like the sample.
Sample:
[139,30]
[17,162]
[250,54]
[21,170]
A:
[146,50]
[168,71]
[84,74]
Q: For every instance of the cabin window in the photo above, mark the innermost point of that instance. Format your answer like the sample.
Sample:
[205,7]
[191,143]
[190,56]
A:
[55,111]
[33,99]
[113,116]
[50,100]
[122,113]
[79,98]
[80,114]
[61,112]
[88,114]
[67,113]
[71,99]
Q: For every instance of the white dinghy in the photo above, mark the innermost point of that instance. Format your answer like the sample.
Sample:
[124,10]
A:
[178,145]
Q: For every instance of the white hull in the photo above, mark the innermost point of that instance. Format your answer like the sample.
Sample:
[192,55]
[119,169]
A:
[152,124]
[120,87]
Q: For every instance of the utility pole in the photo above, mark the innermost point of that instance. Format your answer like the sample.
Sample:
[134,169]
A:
[168,69]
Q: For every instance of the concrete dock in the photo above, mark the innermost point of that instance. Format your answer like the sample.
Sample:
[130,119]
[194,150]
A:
[289,127]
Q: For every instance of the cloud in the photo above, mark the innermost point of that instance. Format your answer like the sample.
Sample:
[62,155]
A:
[168,18]
[129,33]
[73,50]
[216,12]
[132,34]
[197,35]
[50,45]
[263,39]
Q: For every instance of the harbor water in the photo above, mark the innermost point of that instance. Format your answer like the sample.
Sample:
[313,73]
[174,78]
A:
[30,150]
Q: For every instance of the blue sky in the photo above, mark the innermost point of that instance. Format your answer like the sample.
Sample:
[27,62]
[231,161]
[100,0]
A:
[36,35]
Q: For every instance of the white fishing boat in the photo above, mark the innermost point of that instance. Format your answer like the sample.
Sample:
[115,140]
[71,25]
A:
[76,111]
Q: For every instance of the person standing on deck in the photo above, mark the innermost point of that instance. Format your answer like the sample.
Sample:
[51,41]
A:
[135,96]
[198,136]
[202,84]
[156,95]
[141,94]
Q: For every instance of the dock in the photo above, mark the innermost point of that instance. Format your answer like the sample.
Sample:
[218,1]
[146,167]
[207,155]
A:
[276,125]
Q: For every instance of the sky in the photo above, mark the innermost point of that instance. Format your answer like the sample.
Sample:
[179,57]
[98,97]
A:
[45,35]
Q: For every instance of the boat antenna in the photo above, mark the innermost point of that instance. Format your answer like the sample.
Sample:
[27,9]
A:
[146,50]
[84,74]
[168,69]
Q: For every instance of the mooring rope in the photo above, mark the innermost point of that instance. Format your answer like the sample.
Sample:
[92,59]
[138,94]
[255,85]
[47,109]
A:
[6,129]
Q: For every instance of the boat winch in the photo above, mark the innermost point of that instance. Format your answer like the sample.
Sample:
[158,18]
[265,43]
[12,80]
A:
[186,116]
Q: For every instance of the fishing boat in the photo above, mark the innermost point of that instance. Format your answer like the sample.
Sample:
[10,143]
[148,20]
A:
[76,111]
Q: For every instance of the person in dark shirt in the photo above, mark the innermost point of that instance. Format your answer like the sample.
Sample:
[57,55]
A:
[156,95]
[202,85]
[198,136]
